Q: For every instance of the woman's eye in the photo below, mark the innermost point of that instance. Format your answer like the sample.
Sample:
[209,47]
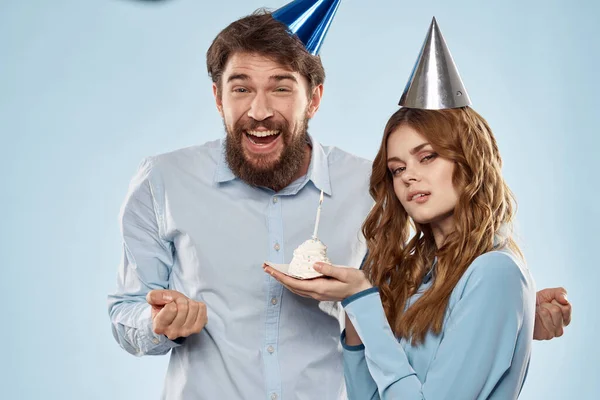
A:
[397,171]
[429,157]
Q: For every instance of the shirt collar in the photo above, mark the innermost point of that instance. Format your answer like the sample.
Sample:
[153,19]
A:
[318,169]
[222,173]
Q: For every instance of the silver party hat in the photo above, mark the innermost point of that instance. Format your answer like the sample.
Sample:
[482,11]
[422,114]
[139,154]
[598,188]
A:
[435,83]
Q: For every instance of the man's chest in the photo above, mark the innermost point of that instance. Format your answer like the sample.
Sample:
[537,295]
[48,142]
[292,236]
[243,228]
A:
[229,230]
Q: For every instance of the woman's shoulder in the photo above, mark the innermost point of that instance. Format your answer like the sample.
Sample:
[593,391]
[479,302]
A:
[497,270]
[501,261]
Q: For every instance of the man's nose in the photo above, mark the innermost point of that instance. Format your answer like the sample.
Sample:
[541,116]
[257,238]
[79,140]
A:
[260,108]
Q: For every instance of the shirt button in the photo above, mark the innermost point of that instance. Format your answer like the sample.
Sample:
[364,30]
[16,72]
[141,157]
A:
[155,341]
[273,396]
[270,349]
[276,247]
[275,199]
[274,301]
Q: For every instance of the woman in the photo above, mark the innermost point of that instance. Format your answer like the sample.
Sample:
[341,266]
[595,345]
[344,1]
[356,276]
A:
[449,312]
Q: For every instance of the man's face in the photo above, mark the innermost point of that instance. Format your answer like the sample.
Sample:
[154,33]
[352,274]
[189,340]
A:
[265,108]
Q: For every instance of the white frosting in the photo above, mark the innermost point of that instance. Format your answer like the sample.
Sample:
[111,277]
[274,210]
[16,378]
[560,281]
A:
[305,255]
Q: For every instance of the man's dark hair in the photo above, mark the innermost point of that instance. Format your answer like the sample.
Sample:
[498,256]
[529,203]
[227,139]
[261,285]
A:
[260,33]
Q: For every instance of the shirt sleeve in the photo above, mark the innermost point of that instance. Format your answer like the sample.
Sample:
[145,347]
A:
[145,265]
[479,337]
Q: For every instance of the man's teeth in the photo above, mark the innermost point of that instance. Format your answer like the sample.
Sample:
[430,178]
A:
[262,133]
[416,196]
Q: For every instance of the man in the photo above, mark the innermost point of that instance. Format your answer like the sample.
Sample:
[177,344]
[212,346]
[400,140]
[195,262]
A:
[198,223]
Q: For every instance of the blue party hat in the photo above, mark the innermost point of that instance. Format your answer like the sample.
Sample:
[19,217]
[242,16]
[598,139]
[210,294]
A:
[309,20]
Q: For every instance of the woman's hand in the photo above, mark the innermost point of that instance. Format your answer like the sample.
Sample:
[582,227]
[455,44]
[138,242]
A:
[336,284]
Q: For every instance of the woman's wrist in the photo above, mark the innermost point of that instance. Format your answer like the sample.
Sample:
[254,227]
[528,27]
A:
[364,285]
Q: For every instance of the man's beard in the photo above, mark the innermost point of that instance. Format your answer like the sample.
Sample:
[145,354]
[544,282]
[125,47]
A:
[263,172]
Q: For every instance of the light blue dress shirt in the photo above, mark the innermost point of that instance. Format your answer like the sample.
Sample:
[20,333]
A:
[190,225]
[482,352]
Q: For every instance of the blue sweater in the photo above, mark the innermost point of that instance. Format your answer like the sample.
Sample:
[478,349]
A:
[482,352]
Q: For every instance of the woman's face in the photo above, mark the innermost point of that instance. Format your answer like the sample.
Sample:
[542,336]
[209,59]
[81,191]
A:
[422,179]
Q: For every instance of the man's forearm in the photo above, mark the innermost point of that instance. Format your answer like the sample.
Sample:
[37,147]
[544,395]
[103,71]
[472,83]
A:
[132,329]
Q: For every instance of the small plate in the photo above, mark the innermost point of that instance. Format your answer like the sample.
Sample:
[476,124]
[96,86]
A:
[283,268]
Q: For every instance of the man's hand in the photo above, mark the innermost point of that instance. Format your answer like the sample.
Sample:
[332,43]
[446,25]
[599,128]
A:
[552,313]
[174,315]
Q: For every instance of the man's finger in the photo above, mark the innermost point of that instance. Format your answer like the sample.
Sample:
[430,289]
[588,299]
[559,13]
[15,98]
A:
[561,296]
[201,318]
[545,319]
[549,294]
[566,311]
[554,321]
[539,331]
[190,320]
[182,312]
[164,318]
[160,297]
[557,317]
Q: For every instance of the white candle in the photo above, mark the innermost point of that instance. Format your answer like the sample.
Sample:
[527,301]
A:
[318,216]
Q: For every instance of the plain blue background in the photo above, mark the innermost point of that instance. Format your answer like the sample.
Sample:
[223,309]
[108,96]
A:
[88,88]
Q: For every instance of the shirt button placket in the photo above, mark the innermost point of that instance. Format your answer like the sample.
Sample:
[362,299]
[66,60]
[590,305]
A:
[276,254]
